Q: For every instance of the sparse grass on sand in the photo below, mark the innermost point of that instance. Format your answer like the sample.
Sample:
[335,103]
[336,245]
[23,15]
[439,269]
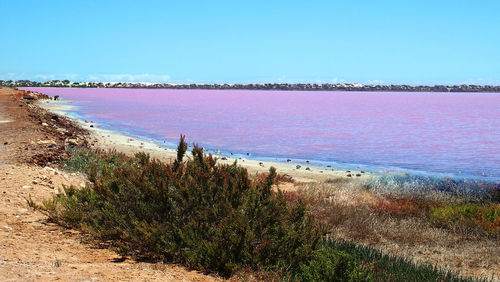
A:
[442,226]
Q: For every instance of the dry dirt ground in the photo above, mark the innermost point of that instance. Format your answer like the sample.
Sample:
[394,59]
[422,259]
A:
[31,248]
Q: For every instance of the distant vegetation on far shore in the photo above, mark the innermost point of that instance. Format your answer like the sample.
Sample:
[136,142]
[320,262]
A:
[257,86]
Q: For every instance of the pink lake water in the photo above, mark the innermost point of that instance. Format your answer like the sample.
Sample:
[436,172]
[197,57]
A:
[450,133]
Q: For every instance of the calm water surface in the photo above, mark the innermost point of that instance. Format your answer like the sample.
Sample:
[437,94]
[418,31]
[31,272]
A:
[456,133]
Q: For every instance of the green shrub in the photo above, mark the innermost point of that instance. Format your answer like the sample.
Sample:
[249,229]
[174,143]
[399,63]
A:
[383,267]
[329,264]
[208,216]
[486,216]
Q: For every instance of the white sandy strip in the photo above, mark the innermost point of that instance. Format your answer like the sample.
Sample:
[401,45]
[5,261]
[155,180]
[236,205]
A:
[109,139]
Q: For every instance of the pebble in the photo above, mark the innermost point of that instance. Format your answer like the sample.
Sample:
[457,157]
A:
[44,124]
[27,187]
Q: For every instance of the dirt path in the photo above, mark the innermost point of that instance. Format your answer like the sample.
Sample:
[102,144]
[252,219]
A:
[31,248]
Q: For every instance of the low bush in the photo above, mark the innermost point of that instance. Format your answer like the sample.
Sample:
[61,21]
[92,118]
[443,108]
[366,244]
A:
[404,206]
[384,267]
[430,186]
[329,264]
[466,217]
[486,217]
[205,215]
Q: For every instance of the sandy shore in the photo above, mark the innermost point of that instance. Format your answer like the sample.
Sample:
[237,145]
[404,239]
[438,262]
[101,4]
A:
[110,139]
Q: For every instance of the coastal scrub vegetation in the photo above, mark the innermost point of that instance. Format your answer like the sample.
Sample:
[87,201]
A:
[218,219]
[199,213]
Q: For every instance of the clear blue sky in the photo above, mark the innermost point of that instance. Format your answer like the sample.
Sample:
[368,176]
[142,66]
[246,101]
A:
[411,42]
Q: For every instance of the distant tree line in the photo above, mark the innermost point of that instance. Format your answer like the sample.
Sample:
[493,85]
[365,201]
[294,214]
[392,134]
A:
[257,86]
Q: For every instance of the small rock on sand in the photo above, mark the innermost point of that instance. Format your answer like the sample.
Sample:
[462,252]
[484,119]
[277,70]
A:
[27,187]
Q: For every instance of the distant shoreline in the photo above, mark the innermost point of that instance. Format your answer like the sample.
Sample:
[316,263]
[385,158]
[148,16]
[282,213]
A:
[259,86]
